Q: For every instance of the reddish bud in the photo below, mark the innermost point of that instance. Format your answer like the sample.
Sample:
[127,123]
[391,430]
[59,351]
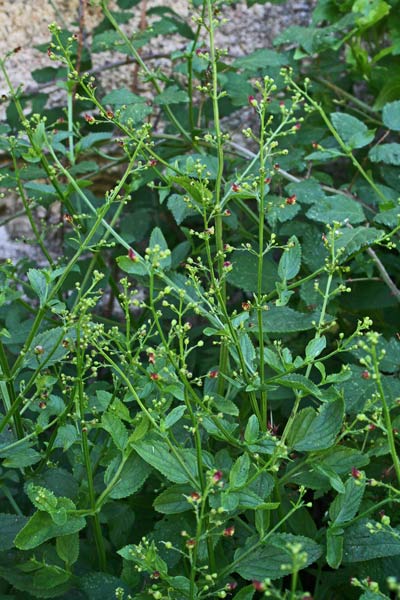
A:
[276,166]
[190,543]
[154,376]
[232,585]
[246,305]
[365,374]
[227,213]
[267,180]
[272,428]
[258,586]
[42,405]
[195,496]
[227,264]
[355,473]
[155,575]
[281,103]
[213,374]
[315,145]
[229,531]
[152,358]
[371,426]
[109,114]
[298,126]
[235,187]
[217,476]
[68,219]
[132,255]
[152,162]
[291,199]
[89,119]
[252,101]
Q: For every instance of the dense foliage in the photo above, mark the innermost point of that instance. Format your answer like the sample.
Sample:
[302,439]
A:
[199,362]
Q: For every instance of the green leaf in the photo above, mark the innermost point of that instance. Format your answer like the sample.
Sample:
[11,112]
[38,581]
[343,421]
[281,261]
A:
[117,430]
[132,267]
[353,132]
[295,381]
[67,547]
[274,559]
[386,153]
[360,544]
[371,11]
[121,97]
[66,436]
[334,547]
[174,416]
[244,272]
[99,586]
[173,500]
[157,240]
[308,191]
[40,283]
[391,115]
[252,430]
[179,208]
[315,347]
[334,479]
[282,319]
[41,498]
[290,261]
[317,432]
[132,476]
[41,528]
[263,58]
[239,472]
[157,454]
[352,240]
[345,506]
[246,593]
[336,208]
[10,526]
[46,348]
[20,457]
[171,95]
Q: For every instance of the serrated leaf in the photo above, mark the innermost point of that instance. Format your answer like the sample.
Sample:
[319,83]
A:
[296,381]
[353,132]
[263,58]
[179,208]
[336,208]
[391,115]
[318,432]
[282,319]
[41,528]
[174,416]
[122,96]
[290,261]
[117,430]
[173,500]
[360,544]
[334,547]
[46,348]
[66,436]
[273,559]
[157,454]
[345,505]
[244,272]
[386,153]
[239,472]
[352,240]
[67,547]
[252,430]
[131,478]
[308,191]
[99,586]
[171,95]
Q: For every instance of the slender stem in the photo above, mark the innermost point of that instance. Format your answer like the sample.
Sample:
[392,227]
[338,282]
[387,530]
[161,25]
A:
[386,413]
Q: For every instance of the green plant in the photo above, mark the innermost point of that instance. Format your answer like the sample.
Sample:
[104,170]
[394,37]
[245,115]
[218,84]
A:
[200,393]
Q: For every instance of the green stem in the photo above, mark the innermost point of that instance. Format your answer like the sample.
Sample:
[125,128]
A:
[386,414]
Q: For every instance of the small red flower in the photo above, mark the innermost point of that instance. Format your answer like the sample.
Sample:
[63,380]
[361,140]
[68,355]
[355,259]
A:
[267,180]
[235,187]
[227,213]
[246,305]
[298,126]
[132,255]
[232,585]
[110,114]
[213,374]
[258,586]
[89,119]
[355,473]
[42,405]
[291,199]
[227,264]
[190,543]
[229,531]
[152,162]
[252,101]
[315,145]
[155,575]
[195,496]
[276,166]
[365,374]
[217,476]
[154,376]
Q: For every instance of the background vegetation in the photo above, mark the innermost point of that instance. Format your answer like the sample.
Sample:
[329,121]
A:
[199,362]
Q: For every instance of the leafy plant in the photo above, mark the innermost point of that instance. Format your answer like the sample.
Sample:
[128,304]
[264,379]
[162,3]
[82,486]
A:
[199,377]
